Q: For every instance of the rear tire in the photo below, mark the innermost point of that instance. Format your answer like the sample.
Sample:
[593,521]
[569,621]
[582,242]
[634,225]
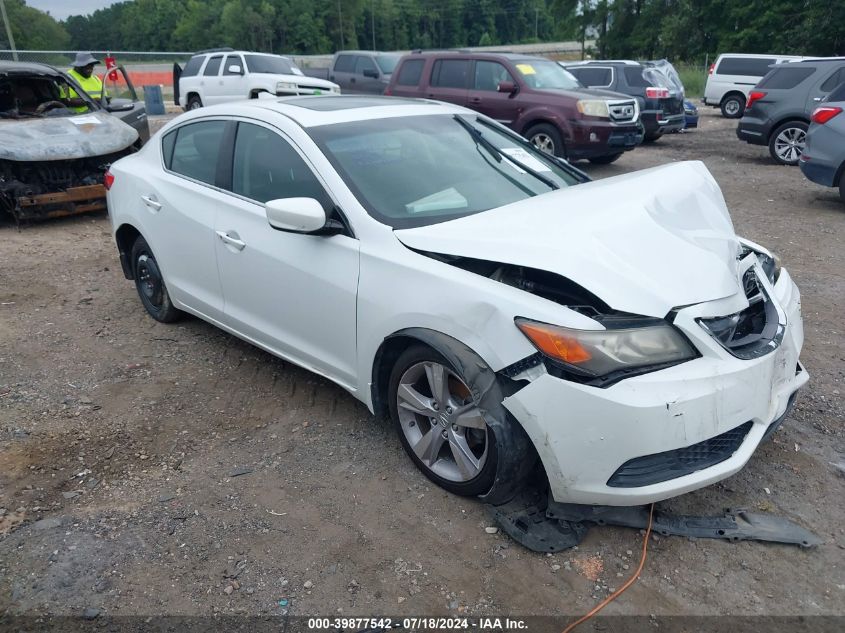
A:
[650,137]
[194,103]
[786,144]
[547,138]
[605,160]
[149,283]
[733,106]
[842,188]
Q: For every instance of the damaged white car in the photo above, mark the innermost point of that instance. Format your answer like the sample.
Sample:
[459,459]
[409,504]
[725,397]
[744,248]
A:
[53,156]
[502,309]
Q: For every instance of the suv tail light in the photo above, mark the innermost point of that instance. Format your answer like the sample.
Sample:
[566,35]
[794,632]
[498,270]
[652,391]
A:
[657,93]
[754,96]
[823,114]
[108,180]
[712,68]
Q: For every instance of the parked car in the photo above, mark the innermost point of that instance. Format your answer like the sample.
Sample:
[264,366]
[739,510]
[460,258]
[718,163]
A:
[123,101]
[661,103]
[779,107]
[363,72]
[53,158]
[690,115]
[495,303]
[223,74]
[732,76]
[532,96]
[823,158]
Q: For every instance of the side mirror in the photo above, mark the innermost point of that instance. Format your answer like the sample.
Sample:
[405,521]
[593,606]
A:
[119,105]
[369,72]
[506,86]
[298,215]
[234,69]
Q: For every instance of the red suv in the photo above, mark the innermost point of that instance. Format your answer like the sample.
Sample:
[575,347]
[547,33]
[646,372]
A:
[531,95]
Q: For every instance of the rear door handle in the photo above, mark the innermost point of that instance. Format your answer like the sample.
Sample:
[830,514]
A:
[817,98]
[231,240]
[152,203]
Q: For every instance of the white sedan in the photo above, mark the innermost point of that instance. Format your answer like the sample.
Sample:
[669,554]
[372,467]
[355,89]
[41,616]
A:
[507,313]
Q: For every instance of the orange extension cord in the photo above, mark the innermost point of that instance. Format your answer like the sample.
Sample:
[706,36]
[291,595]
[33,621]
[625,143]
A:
[601,605]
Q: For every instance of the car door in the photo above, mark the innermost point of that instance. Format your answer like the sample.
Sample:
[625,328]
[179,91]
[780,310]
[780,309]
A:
[291,293]
[182,200]
[343,71]
[118,88]
[449,81]
[367,76]
[232,82]
[210,87]
[484,95]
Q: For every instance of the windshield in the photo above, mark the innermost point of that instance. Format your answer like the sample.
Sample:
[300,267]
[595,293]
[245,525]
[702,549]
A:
[387,63]
[271,65]
[418,170]
[27,96]
[546,74]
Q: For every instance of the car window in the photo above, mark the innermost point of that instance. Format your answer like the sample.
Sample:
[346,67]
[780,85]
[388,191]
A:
[410,73]
[196,148]
[744,66]
[193,66]
[418,170]
[542,74]
[593,76]
[488,76]
[837,94]
[266,167]
[786,77]
[271,65]
[167,143]
[834,80]
[364,63]
[233,60]
[345,63]
[387,63]
[450,73]
[213,66]
[639,77]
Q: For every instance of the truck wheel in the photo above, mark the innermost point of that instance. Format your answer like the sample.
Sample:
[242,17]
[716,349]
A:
[547,139]
[733,106]
[194,103]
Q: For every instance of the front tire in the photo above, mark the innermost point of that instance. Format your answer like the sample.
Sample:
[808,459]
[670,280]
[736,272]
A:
[604,160]
[786,144]
[440,425]
[194,103]
[150,284]
[547,138]
[733,107]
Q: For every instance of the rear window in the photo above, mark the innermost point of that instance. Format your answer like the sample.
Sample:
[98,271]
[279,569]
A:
[410,73]
[344,63]
[213,66]
[635,76]
[593,76]
[450,73]
[786,77]
[193,66]
[744,66]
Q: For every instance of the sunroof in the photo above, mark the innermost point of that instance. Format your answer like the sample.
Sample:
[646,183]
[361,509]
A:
[330,104]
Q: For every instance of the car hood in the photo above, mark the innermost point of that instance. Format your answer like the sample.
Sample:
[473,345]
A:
[64,138]
[644,242]
[307,80]
[607,94]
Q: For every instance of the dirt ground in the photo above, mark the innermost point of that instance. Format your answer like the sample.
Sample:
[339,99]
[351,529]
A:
[122,443]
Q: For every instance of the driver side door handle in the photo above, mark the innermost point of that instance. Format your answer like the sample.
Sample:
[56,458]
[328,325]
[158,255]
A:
[231,240]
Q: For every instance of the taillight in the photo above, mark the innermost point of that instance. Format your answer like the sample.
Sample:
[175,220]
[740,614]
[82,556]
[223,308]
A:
[823,114]
[712,68]
[657,93]
[108,180]
[755,95]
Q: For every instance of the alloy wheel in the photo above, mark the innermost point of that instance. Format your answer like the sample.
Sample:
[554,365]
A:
[544,143]
[441,422]
[789,144]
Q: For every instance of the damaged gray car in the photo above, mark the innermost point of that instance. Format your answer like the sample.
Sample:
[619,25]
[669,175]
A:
[53,156]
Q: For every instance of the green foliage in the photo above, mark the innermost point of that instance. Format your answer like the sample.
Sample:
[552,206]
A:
[33,29]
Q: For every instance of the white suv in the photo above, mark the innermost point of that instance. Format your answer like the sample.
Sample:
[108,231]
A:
[220,75]
[732,77]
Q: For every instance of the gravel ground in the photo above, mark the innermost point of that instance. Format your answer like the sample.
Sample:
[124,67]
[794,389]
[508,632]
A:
[149,469]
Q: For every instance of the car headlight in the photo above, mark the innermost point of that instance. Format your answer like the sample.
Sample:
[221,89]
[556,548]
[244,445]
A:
[285,86]
[593,107]
[335,89]
[596,353]
[769,261]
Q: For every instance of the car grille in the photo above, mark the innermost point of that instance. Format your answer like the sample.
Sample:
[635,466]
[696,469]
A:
[652,469]
[752,332]
[623,111]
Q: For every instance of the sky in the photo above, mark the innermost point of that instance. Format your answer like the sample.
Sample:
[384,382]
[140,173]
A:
[60,9]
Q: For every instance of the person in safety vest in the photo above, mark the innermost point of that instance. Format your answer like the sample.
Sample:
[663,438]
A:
[83,73]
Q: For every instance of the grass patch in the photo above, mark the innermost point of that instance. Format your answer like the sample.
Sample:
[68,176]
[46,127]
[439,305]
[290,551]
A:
[693,77]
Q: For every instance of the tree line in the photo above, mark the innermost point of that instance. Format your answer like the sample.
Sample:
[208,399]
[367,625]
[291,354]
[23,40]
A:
[676,29]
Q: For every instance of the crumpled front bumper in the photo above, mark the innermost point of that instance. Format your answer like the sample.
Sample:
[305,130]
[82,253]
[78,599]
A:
[584,434]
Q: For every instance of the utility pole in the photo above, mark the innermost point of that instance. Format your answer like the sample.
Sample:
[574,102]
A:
[8,30]
[536,19]
[373,22]
[340,19]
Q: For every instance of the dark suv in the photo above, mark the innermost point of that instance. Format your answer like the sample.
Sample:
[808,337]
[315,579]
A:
[533,96]
[778,110]
[661,103]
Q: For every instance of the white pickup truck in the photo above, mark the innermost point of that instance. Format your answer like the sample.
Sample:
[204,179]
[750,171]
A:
[223,74]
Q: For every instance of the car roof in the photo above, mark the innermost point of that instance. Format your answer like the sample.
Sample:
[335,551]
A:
[480,54]
[604,62]
[816,60]
[367,53]
[28,67]
[313,111]
[761,55]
